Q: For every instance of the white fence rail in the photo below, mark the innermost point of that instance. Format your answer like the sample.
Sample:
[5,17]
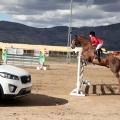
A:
[20,60]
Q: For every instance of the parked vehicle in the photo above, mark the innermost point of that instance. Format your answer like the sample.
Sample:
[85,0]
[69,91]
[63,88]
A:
[14,82]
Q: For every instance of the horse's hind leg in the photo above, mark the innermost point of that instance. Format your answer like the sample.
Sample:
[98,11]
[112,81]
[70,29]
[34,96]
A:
[118,77]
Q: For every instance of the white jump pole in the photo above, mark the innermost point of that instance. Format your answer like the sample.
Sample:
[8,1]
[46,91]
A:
[80,78]
[78,72]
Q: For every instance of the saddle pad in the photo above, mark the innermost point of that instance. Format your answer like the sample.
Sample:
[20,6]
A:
[102,55]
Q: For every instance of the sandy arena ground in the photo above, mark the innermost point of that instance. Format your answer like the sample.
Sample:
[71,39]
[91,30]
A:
[50,99]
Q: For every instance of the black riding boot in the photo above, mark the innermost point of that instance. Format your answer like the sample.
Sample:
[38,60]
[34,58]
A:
[98,55]
[95,52]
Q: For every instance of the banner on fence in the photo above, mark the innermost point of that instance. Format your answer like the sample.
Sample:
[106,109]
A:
[15,51]
[37,52]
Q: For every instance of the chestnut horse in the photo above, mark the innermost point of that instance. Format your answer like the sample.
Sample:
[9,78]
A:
[88,55]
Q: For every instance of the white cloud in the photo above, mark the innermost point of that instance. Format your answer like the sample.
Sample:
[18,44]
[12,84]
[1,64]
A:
[47,13]
[20,17]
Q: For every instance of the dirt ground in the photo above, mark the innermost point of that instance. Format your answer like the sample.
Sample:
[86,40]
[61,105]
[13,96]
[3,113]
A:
[50,99]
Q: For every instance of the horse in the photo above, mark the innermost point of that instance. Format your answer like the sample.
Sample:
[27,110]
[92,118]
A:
[88,54]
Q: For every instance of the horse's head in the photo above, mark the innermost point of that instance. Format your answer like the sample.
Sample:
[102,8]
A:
[83,41]
[75,42]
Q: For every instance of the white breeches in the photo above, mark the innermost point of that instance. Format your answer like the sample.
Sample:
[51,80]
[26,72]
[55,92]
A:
[99,46]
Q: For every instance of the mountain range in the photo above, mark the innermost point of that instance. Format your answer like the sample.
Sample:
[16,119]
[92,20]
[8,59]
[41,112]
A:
[11,32]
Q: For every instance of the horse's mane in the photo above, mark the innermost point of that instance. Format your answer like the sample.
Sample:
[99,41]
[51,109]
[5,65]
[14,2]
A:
[84,39]
[82,36]
[85,42]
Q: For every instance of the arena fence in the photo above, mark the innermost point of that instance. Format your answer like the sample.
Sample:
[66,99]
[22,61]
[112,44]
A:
[29,60]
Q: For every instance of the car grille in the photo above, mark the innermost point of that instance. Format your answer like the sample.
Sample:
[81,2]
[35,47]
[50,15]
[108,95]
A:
[25,79]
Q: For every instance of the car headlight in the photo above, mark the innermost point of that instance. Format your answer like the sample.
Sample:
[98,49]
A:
[9,76]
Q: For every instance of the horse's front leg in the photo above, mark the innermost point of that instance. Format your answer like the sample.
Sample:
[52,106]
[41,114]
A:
[118,77]
[84,62]
[85,57]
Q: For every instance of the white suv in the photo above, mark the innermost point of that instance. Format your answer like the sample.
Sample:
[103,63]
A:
[14,82]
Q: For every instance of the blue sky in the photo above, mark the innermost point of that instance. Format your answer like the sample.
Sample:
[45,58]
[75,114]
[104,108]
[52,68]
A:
[4,17]
[49,13]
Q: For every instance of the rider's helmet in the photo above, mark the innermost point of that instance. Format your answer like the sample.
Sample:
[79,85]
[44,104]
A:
[92,33]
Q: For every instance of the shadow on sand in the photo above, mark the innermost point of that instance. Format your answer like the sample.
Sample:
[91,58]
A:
[102,89]
[34,100]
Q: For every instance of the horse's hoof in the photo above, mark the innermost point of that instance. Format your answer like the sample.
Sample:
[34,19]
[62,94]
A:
[117,91]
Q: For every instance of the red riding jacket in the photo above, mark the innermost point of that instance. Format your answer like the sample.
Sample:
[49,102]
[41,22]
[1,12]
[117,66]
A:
[95,40]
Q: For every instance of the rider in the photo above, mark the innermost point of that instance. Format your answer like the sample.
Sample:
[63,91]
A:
[97,42]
